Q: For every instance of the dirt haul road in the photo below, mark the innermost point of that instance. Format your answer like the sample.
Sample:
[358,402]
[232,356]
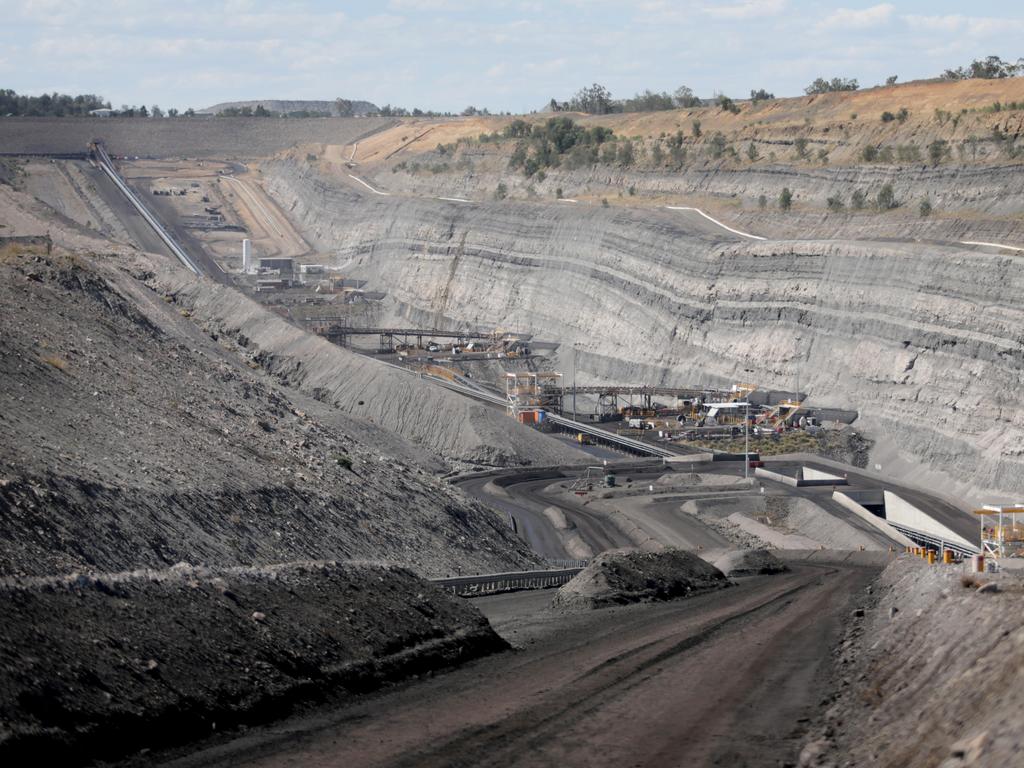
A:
[727,678]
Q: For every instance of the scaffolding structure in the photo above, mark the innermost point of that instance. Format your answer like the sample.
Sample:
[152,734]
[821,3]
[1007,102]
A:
[530,394]
[1002,530]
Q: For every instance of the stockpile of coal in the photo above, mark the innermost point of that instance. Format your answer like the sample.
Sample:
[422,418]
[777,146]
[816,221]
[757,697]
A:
[618,577]
[750,562]
[103,666]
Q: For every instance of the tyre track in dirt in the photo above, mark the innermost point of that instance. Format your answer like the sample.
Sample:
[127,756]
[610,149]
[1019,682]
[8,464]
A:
[729,677]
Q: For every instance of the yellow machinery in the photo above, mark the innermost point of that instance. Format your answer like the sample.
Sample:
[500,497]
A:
[1002,530]
[740,392]
[779,415]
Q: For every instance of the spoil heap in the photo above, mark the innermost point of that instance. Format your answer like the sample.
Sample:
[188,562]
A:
[617,577]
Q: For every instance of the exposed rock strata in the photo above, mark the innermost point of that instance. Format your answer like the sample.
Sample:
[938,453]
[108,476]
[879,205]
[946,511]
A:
[924,340]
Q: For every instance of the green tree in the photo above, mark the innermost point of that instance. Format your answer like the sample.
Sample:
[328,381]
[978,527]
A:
[785,199]
[501,192]
[649,101]
[696,129]
[727,104]
[595,100]
[49,104]
[869,153]
[821,85]
[717,145]
[685,99]
[344,107]
[925,209]
[989,68]
[886,198]
[762,202]
[938,150]
[800,145]
[835,204]
[858,200]
[761,95]
[752,152]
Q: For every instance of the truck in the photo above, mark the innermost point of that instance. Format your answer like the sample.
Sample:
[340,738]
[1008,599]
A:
[639,424]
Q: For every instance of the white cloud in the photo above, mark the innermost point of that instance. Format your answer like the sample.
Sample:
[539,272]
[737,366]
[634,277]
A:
[974,26]
[859,18]
[746,9]
[429,5]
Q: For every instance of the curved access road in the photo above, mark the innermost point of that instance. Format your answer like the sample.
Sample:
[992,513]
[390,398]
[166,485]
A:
[659,516]
[727,678]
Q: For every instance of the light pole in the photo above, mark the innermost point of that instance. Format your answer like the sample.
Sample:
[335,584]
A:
[574,381]
[746,442]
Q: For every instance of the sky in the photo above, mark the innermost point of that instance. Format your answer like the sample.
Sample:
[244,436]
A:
[505,55]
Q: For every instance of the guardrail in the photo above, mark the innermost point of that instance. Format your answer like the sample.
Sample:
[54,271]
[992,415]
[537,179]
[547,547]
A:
[937,542]
[493,583]
[626,442]
[103,160]
[568,563]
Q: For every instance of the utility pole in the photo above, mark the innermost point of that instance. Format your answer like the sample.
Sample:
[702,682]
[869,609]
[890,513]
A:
[746,442]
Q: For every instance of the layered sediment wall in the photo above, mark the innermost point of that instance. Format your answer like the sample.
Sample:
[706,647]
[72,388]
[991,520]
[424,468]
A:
[923,339]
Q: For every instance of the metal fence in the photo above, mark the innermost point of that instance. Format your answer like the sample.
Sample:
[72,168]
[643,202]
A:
[493,583]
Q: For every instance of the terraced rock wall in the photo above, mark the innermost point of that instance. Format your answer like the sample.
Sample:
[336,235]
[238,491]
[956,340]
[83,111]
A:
[924,340]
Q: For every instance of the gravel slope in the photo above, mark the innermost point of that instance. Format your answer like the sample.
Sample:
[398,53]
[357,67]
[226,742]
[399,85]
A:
[932,675]
[441,421]
[130,437]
